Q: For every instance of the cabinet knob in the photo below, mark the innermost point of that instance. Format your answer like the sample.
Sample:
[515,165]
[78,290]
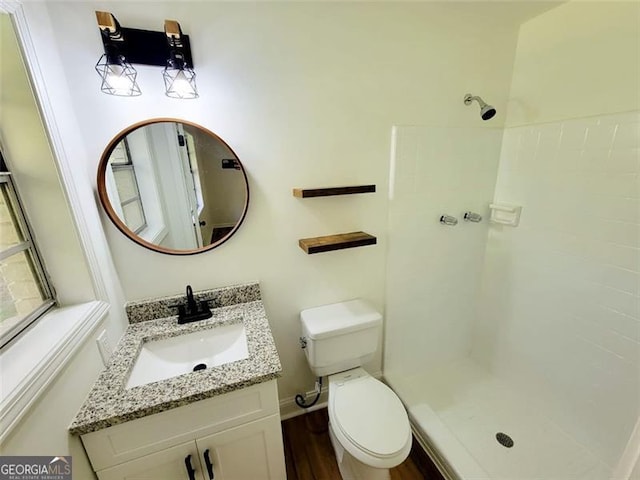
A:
[207,462]
[190,471]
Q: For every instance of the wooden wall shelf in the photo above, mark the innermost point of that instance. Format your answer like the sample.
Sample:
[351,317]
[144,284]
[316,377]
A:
[329,191]
[336,242]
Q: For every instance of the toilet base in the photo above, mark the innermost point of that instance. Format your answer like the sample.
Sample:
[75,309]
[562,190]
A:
[353,469]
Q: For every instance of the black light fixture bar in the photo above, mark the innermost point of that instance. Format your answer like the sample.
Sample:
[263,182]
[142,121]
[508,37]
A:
[125,47]
[147,47]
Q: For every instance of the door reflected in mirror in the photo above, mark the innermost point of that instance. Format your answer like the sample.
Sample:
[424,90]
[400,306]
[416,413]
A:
[173,186]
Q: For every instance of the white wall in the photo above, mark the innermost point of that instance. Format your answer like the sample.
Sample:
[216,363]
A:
[43,429]
[223,190]
[559,316]
[146,172]
[560,312]
[305,94]
[578,60]
[434,270]
[170,178]
[54,93]
[28,154]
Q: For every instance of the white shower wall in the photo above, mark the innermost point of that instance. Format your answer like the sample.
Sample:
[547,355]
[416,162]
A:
[550,307]
[433,270]
[558,316]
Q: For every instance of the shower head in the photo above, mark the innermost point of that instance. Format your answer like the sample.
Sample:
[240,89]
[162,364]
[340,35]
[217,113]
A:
[486,111]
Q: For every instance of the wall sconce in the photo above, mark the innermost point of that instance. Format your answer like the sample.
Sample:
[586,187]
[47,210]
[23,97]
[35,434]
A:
[126,46]
[179,78]
[118,76]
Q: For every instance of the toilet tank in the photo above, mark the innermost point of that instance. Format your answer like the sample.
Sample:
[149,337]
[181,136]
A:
[340,336]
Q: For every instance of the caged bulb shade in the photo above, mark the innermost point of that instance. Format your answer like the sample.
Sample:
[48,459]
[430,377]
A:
[118,77]
[180,82]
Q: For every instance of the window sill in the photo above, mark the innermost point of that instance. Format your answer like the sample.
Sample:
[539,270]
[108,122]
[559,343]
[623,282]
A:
[32,362]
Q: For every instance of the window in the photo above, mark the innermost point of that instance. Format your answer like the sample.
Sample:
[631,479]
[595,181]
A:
[25,292]
[127,189]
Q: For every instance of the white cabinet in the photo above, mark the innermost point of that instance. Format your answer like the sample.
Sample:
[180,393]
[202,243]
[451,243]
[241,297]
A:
[228,452]
[166,464]
[235,436]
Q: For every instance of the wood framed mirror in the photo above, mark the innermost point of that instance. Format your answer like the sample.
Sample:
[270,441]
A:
[173,186]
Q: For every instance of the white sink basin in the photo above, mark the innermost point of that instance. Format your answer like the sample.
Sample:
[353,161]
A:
[170,357]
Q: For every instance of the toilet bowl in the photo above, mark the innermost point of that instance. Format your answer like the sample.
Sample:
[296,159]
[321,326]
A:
[368,425]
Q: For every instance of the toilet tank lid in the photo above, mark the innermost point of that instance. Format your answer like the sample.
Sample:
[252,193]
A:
[339,318]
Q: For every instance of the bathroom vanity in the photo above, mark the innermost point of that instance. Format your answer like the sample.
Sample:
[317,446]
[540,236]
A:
[219,421]
[232,436]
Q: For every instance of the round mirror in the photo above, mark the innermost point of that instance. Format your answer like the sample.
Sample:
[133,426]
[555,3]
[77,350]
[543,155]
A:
[173,186]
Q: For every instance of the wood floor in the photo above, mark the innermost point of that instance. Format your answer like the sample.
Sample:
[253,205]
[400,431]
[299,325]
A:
[309,454]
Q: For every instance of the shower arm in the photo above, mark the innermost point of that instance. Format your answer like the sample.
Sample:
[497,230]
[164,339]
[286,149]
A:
[468,100]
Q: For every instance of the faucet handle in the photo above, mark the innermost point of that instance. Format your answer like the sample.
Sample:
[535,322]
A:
[180,307]
[472,217]
[204,306]
[448,220]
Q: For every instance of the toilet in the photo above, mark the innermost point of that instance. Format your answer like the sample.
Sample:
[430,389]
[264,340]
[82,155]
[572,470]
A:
[368,425]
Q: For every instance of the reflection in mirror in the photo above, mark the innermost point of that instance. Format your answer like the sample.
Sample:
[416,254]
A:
[173,186]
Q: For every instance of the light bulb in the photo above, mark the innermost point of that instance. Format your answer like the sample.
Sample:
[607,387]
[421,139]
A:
[118,77]
[120,83]
[180,83]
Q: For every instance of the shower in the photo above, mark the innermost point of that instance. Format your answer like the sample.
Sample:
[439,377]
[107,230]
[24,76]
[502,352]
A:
[487,112]
[515,346]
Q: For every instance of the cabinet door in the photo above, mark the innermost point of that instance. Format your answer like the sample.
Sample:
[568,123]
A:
[166,464]
[252,451]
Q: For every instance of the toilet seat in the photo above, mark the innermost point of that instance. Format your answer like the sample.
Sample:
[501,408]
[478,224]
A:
[368,419]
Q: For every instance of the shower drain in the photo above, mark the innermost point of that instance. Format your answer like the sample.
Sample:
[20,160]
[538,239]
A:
[504,439]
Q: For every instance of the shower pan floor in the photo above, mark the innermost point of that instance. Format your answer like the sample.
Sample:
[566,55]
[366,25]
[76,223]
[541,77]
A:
[460,408]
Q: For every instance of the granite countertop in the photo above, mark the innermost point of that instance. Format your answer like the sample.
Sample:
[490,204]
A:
[110,403]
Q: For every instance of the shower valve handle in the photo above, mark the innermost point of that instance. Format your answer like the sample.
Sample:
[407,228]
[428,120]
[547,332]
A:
[472,217]
[448,220]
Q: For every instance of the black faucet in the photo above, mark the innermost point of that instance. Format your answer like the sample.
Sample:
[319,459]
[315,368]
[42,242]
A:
[193,311]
